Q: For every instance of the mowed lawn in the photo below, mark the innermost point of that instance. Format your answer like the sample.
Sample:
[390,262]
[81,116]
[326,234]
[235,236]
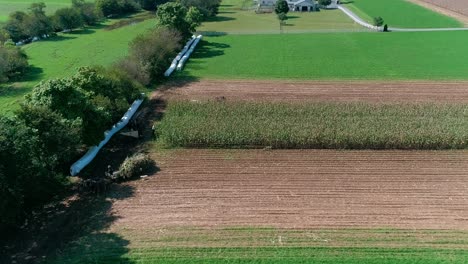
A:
[333,56]
[9,6]
[238,17]
[401,13]
[63,55]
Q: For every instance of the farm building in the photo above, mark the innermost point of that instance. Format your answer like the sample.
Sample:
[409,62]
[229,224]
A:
[302,5]
[294,5]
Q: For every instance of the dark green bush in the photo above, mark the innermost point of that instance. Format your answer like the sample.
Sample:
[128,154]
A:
[135,166]
[13,63]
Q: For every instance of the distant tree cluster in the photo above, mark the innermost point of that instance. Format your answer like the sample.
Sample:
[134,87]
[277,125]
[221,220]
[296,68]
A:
[24,26]
[151,5]
[208,8]
[117,7]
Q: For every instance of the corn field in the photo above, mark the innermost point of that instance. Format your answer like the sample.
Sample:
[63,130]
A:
[314,125]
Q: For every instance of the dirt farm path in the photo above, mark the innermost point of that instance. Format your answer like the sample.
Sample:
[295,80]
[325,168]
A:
[301,189]
[320,91]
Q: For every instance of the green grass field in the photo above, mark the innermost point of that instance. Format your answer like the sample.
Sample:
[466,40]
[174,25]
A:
[261,245]
[333,56]
[401,13]
[235,18]
[62,55]
[314,125]
[9,6]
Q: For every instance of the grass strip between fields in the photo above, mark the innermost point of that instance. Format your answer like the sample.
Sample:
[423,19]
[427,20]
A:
[333,56]
[271,255]
[267,245]
[402,13]
[314,125]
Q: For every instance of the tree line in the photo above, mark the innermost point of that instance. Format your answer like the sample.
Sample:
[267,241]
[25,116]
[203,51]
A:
[24,27]
[63,117]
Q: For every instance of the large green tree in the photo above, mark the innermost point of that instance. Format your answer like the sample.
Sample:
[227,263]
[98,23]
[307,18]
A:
[88,11]
[154,51]
[68,18]
[35,147]
[281,7]
[176,16]
[73,103]
[116,7]
[16,26]
[38,24]
[13,63]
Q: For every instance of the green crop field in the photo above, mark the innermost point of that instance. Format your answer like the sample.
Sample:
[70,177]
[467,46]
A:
[345,246]
[62,55]
[401,13]
[312,125]
[334,56]
[8,6]
[236,17]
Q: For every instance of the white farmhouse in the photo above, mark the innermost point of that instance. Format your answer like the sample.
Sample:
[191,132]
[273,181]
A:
[302,5]
[294,5]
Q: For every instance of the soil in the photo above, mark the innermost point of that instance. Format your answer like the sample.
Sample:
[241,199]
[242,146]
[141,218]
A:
[300,189]
[319,91]
[457,9]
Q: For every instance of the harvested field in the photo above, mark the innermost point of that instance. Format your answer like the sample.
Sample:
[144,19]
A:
[301,189]
[319,91]
[458,6]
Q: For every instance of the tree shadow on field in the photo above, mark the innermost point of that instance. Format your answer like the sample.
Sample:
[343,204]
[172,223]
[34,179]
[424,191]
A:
[220,19]
[71,231]
[210,49]
[226,12]
[58,38]
[33,73]
[346,2]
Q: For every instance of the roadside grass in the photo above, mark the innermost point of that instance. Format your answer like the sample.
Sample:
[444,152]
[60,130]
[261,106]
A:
[62,55]
[333,56]
[402,13]
[314,125]
[235,17]
[267,245]
[9,6]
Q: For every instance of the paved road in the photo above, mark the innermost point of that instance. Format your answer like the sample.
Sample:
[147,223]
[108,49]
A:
[363,23]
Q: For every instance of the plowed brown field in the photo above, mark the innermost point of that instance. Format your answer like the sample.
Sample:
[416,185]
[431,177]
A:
[301,189]
[459,6]
[320,91]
